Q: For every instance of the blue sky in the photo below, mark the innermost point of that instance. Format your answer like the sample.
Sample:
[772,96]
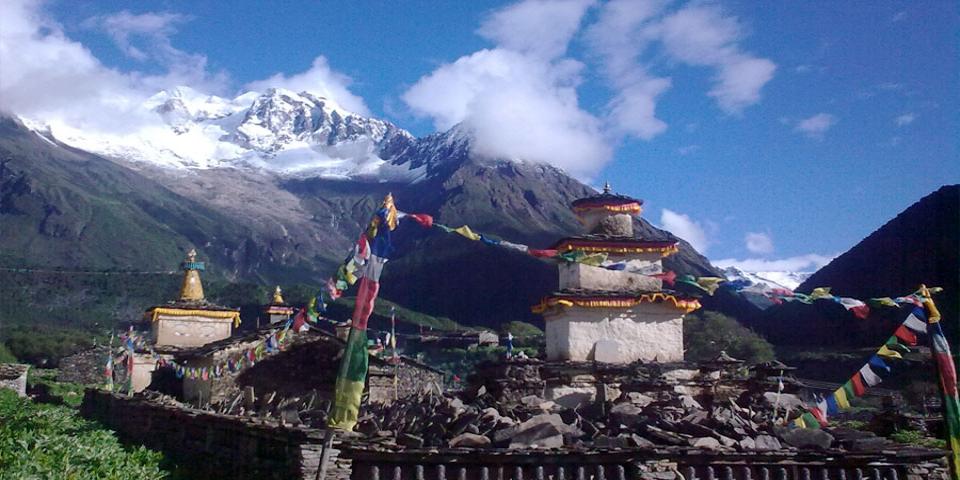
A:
[846,115]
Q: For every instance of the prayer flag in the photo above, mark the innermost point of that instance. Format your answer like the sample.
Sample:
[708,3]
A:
[905,334]
[820,292]
[348,390]
[878,365]
[465,232]
[870,378]
[858,386]
[423,219]
[858,308]
[833,407]
[542,253]
[916,321]
[888,353]
[848,391]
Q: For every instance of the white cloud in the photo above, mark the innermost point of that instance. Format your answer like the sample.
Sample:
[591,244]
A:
[697,34]
[801,263]
[905,119]
[319,79]
[686,228]
[688,149]
[50,78]
[618,38]
[124,27]
[46,75]
[516,101]
[760,243]
[704,35]
[540,28]
[514,106]
[816,126]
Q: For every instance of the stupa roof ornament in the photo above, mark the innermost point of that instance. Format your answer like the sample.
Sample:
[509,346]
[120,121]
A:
[609,202]
[191,290]
[277,296]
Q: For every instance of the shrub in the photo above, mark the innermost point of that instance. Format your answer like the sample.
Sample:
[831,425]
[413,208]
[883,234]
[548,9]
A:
[46,441]
[706,334]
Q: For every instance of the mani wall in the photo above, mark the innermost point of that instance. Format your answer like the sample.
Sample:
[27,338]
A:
[211,445]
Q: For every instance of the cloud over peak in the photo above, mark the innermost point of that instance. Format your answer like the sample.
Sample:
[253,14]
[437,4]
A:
[529,78]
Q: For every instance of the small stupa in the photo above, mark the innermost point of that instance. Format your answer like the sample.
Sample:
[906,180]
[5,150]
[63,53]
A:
[278,311]
[614,309]
[191,321]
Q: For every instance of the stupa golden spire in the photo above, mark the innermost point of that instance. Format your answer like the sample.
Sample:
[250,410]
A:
[191,290]
[277,296]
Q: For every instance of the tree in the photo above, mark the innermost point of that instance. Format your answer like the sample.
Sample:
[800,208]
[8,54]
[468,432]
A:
[707,333]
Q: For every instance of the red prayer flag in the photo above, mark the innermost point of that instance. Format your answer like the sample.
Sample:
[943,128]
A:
[366,297]
[858,386]
[908,337]
[542,253]
[423,219]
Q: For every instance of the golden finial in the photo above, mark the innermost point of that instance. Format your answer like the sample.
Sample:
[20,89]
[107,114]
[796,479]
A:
[391,214]
[606,187]
[277,297]
[191,290]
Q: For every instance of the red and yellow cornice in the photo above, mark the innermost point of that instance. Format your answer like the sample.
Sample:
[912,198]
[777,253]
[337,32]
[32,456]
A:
[234,315]
[629,207]
[608,246]
[587,301]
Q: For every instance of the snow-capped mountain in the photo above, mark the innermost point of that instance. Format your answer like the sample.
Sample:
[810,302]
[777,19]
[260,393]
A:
[279,131]
[787,280]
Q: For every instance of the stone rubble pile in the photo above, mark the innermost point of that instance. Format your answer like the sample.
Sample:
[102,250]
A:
[632,420]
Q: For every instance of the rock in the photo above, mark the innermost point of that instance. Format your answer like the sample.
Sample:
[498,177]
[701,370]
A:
[627,414]
[707,443]
[408,440]
[490,414]
[805,437]
[531,400]
[665,436]
[788,401]
[767,442]
[747,444]
[638,441]
[688,403]
[727,441]
[543,435]
[639,399]
[469,440]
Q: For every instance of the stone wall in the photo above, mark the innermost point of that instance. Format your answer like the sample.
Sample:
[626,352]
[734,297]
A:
[210,445]
[648,332]
[411,379]
[85,367]
[14,377]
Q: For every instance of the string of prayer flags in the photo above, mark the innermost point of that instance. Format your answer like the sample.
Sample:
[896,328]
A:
[373,251]
[917,320]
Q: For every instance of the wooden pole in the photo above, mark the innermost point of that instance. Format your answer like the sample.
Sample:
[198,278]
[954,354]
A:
[325,454]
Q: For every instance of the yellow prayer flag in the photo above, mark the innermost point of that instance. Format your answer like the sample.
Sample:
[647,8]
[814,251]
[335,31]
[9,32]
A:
[886,352]
[820,292]
[710,284]
[840,395]
[799,422]
[466,232]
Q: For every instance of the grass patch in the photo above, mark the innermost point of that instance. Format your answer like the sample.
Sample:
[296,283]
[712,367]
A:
[71,394]
[916,437]
[50,441]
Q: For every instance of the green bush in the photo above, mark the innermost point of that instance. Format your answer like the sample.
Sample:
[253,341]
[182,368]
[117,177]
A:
[6,356]
[706,334]
[46,441]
